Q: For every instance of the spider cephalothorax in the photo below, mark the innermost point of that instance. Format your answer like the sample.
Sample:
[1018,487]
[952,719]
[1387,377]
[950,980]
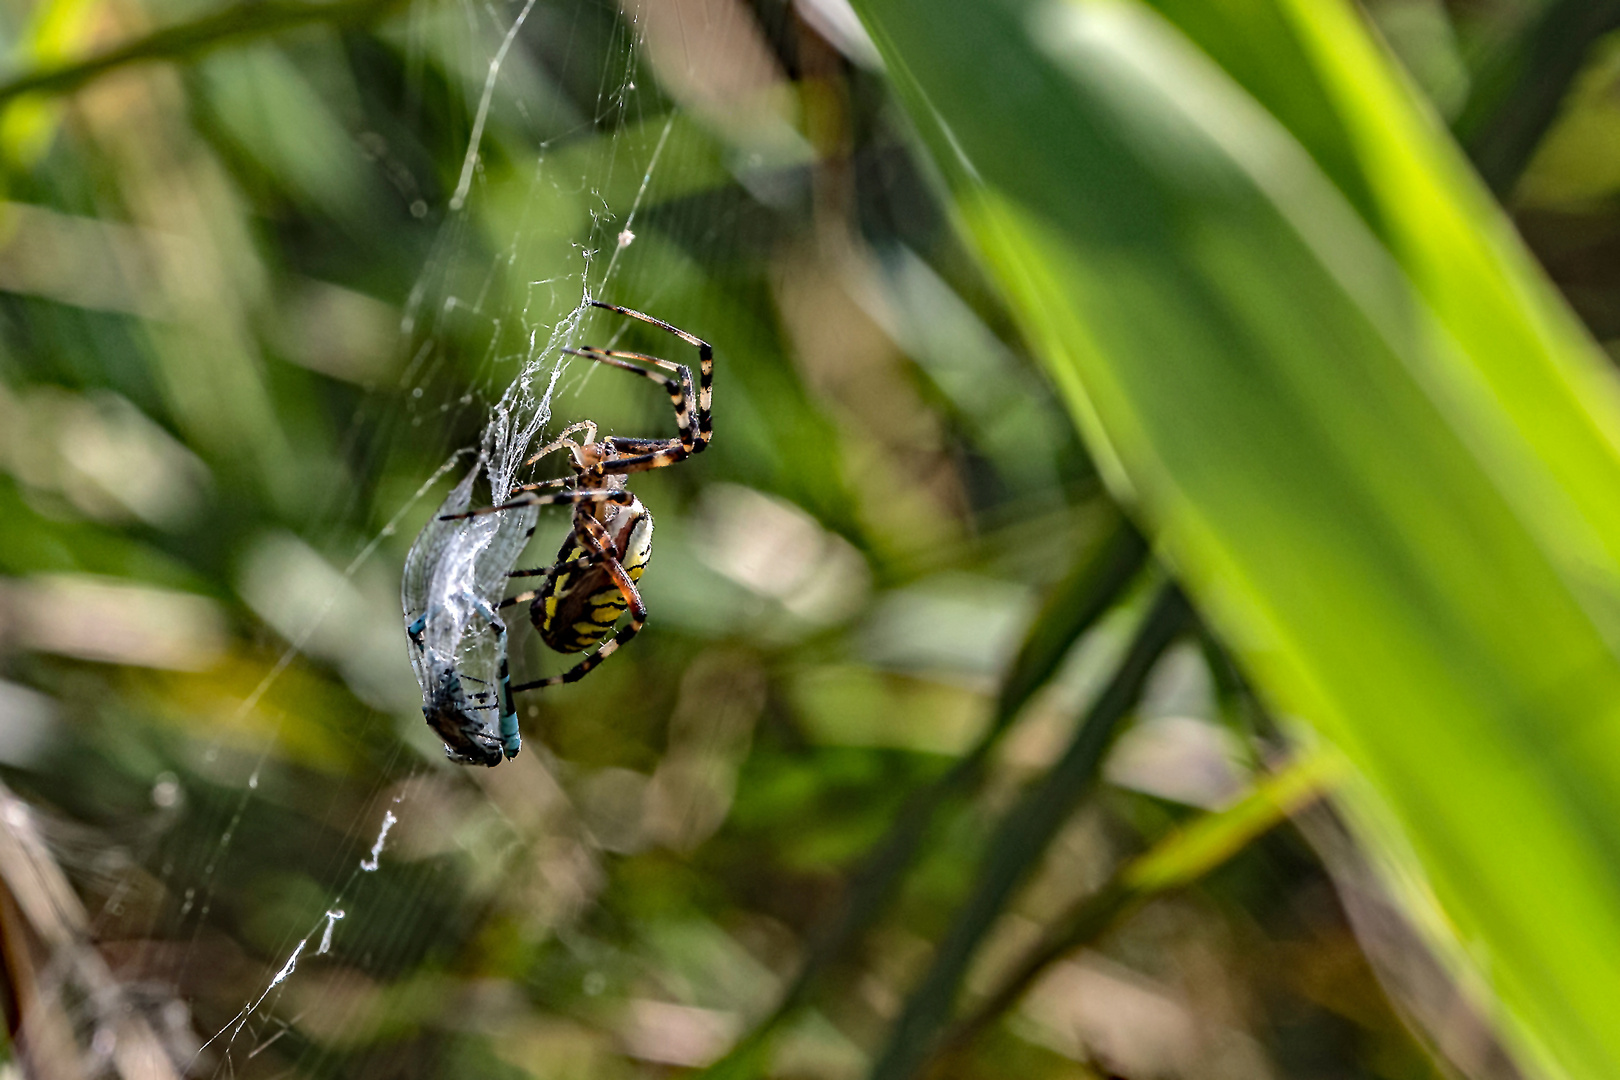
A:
[582,596]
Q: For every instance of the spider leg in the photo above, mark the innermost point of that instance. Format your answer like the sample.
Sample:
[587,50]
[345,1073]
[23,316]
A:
[584,562]
[705,396]
[623,498]
[632,596]
[669,453]
[587,533]
[520,598]
[563,440]
[525,490]
[679,389]
[626,445]
[594,535]
[556,481]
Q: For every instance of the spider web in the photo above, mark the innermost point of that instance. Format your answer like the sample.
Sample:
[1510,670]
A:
[296,917]
[456,302]
[314,890]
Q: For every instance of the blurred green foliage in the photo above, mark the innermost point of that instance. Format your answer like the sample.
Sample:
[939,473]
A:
[243,328]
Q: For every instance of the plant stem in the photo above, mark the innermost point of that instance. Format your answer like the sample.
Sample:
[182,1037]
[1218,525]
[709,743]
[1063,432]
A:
[187,41]
[1176,861]
[1023,836]
[1518,90]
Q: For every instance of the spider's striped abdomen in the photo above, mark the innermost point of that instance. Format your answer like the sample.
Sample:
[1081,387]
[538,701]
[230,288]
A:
[577,608]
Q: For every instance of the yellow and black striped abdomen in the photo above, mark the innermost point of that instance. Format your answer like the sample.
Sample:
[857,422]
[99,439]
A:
[578,608]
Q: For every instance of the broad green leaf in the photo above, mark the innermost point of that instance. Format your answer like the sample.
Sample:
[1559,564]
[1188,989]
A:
[1414,190]
[1306,349]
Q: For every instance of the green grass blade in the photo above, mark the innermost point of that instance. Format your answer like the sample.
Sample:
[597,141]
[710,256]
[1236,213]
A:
[187,41]
[1377,450]
[1101,575]
[1519,88]
[1022,837]
[1183,857]
[1079,600]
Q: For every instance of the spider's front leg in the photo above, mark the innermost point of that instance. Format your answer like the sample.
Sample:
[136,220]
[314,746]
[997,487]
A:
[692,409]
[566,498]
[562,440]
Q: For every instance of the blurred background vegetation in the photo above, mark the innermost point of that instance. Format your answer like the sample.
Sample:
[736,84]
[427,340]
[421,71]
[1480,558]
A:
[923,762]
